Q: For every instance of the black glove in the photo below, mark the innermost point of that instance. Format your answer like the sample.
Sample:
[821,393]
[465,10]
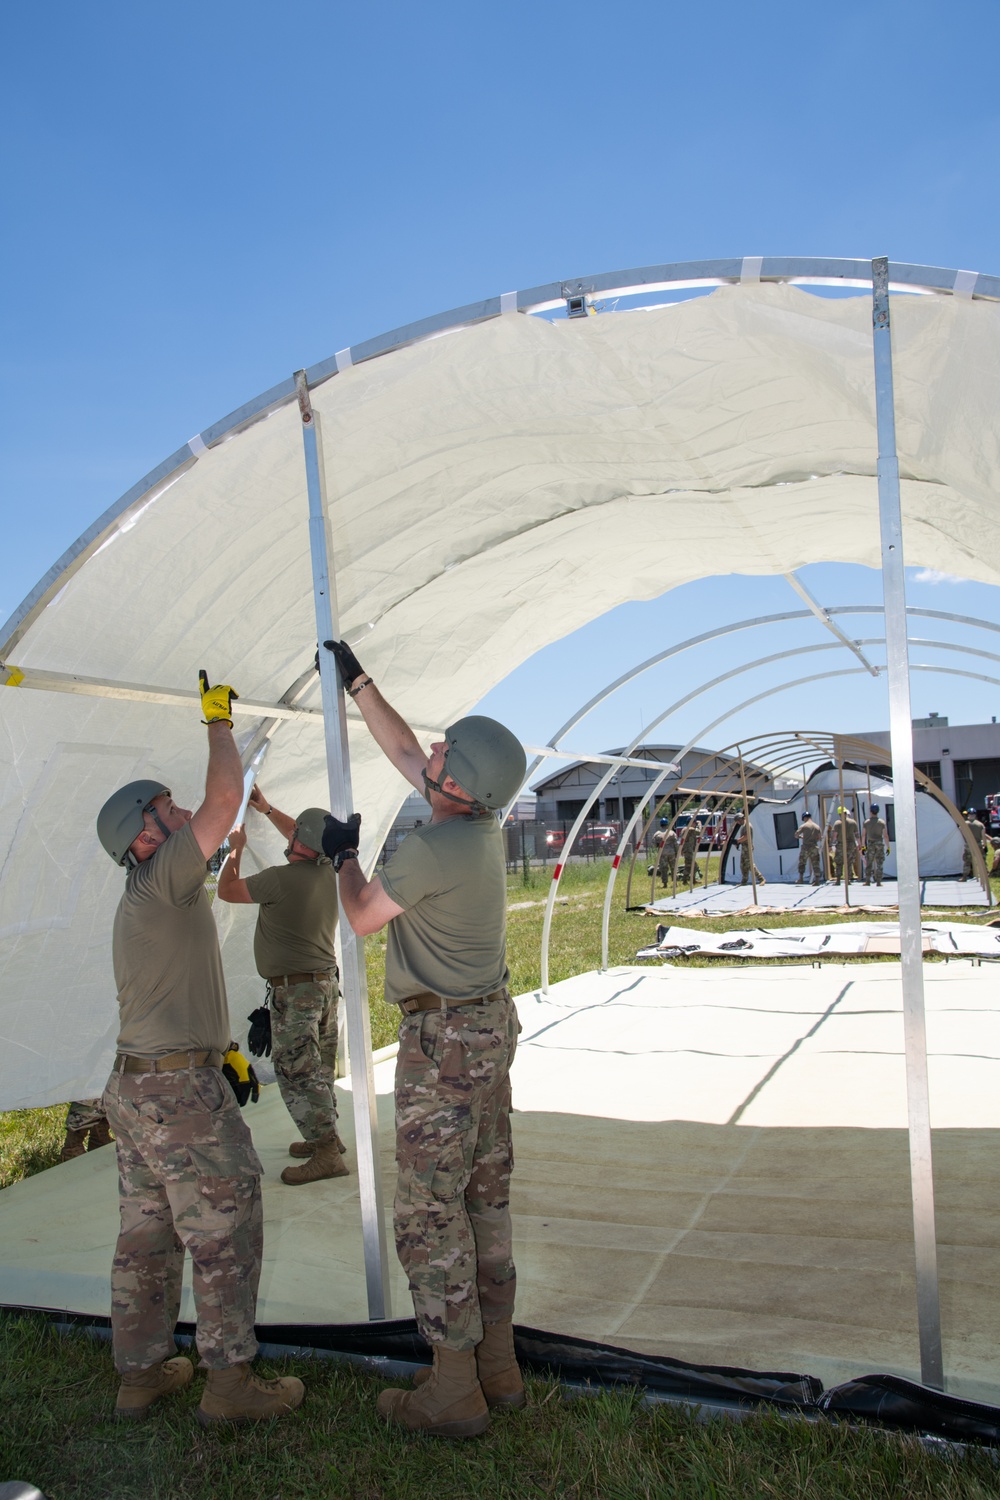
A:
[347,663]
[259,1035]
[339,835]
[241,1077]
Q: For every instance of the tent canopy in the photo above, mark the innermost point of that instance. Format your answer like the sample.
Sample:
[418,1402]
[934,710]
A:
[488,492]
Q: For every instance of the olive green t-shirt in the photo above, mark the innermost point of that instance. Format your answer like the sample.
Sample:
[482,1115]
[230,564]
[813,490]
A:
[809,833]
[451,938]
[875,831]
[165,950]
[297,917]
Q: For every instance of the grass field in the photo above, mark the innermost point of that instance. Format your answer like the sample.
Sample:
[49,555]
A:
[57,1391]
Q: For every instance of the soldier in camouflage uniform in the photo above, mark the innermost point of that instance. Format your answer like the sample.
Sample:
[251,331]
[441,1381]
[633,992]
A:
[809,834]
[850,829]
[293,949]
[743,844]
[443,896]
[669,846]
[874,845]
[978,831]
[85,1118]
[189,1177]
[690,839]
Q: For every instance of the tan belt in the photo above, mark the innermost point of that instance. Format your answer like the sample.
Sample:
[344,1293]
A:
[283,979]
[170,1064]
[427,1000]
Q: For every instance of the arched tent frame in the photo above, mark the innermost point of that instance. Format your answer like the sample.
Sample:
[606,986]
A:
[27,660]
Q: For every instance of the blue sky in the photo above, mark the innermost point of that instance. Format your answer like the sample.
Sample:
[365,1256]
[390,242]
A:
[202,198]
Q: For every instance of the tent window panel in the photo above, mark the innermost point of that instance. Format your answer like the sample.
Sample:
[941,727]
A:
[785,825]
[890,821]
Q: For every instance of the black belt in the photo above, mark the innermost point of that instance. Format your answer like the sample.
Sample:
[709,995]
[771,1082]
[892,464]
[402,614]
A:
[172,1063]
[427,1000]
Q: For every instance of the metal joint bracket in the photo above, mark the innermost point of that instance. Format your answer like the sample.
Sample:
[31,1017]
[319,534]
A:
[965,284]
[750,270]
[508,302]
[302,396]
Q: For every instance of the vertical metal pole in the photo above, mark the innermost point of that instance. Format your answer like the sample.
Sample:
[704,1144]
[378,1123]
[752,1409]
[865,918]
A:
[747,836]
[907,876]
[842,812]
[352,958]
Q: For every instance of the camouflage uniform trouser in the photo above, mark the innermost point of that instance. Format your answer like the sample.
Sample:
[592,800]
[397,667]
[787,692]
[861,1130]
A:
[809,855]
[84,1114]
[874,862]
[691,875]
[453,1151]
[745,866]
[189,1178]
[838,861]
[304,1053]
[967,861]
[666,866]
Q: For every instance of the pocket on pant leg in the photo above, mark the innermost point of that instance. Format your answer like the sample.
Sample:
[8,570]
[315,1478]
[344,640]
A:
[217,1139]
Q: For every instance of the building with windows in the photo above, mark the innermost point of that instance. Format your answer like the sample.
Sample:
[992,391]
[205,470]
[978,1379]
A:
[962,759]
[564,793]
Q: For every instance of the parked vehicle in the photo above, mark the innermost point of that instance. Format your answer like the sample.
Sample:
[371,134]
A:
[554,840]
[599,838]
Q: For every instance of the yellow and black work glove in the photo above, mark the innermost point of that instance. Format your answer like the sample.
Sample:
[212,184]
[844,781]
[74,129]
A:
[241,1077]
[259,1035]
[347,663]
[216,702]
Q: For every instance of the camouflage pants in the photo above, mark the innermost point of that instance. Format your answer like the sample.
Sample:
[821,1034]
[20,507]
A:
[874,862]
[453,1151]
[838,861]
[189,1179]
[809,854]
[691,875]
[745,866]
[304,1043]
[84,1114]
[666,866]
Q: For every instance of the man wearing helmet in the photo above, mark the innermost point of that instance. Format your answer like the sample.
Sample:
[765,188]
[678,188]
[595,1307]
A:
[189,1177]
[874,843]
[443,895]
[293,949]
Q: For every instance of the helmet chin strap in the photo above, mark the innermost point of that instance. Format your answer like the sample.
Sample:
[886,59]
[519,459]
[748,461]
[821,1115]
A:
[435,786]
[157,820]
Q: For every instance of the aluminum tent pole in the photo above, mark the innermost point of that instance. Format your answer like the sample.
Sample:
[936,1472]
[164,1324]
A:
[907,875]
[354,980]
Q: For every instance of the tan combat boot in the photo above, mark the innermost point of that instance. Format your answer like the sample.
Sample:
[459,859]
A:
[140,1388]
[325,1161]
[74,1145]
[100,1135]
[449,1402]
[236,1394]
[306,1148]
[496,1365]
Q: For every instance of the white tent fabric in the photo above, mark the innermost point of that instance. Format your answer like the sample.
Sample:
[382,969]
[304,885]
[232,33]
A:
[489,492]
[939,842]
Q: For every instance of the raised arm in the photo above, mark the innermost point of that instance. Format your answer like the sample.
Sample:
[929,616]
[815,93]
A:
[231,887]
[389,730]
[281,821]
[224,778]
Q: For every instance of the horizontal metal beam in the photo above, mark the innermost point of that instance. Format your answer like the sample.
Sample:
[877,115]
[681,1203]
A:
[103,687]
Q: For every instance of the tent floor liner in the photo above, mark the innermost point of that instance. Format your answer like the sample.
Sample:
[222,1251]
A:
[711,1165]
[720,900]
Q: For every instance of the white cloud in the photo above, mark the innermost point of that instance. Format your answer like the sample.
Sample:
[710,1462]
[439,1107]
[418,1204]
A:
[931,575]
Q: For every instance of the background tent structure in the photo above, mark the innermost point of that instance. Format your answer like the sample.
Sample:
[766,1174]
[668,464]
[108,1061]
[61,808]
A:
[939,842]
[469,498]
